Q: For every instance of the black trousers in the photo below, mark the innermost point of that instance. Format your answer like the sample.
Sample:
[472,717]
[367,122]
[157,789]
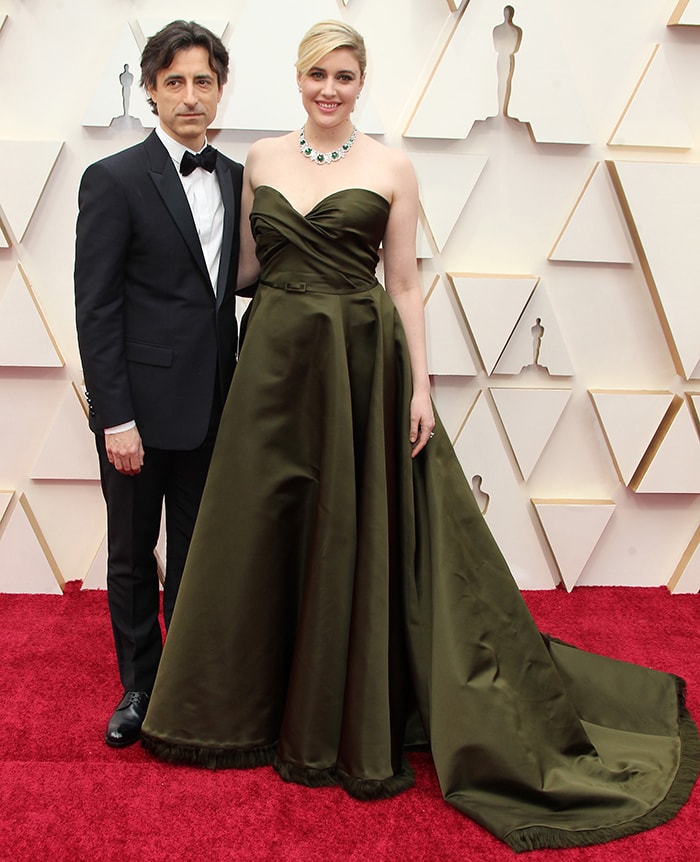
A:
[134,509]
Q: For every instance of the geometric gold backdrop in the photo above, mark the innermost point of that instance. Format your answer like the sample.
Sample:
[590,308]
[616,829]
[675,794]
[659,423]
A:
[556,147]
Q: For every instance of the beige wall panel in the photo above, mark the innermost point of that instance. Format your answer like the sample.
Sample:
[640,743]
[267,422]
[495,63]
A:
[575,463]
[611,328]
[686,12]
[25,339]
[445,183]
[447,336]
[630,421]
[454,399]
[662,205]
[69,449]
[573,528]
[118,101]
[654,116]
[26,563]
[642,544]
[674,465]
[25,167]
[519,204]
[595,229]
[493,305]
[529,417]
[468,56]
[29,400]
[482,454]
[546,93]
[71,519]
[605,50]
[537,341]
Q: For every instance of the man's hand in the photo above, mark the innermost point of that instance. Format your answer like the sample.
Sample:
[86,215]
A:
[125,451]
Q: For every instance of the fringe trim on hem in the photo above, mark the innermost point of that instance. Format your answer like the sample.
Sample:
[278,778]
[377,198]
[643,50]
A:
[305,775]
[367,790]
[364,789]
[210,758]
[543,837]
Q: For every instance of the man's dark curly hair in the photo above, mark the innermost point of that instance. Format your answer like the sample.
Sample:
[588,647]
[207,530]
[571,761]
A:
[161,48]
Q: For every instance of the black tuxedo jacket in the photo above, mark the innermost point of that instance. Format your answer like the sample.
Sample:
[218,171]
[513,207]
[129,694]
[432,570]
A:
[151,330]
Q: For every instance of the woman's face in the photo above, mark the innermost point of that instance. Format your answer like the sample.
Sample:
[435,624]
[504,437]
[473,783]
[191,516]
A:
[329,90]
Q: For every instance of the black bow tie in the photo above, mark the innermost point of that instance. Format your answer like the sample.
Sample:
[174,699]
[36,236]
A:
[206,159]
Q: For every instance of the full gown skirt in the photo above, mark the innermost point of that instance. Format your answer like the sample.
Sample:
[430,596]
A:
[342,599]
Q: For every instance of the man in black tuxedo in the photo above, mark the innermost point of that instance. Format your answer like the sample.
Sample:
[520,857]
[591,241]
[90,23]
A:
[155,274]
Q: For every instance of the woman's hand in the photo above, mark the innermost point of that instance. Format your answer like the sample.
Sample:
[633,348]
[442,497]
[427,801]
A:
[422,421]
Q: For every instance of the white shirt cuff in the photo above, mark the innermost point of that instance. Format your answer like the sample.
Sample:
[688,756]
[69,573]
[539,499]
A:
[125,426]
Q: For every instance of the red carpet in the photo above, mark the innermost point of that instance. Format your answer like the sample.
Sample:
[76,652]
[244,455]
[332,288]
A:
[66,796]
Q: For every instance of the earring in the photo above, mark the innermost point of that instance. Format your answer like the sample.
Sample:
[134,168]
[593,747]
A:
[299,88]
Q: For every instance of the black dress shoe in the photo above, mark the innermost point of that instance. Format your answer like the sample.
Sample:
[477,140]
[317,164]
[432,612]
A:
[124,726]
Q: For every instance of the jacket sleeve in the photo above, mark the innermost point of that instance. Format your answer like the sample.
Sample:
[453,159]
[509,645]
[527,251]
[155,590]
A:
[103,237]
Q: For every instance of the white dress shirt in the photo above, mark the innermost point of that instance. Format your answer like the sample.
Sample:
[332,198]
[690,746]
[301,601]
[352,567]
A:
[204,197]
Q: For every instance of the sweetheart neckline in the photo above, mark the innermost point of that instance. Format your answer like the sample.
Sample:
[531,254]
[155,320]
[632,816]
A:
[323,199]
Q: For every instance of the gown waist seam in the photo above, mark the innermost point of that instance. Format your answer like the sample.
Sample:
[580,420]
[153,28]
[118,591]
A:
[318,287]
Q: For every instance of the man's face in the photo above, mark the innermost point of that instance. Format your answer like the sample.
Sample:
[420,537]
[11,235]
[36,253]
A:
[187,93]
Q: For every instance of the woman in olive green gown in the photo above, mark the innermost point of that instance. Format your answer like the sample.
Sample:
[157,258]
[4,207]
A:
[343,596]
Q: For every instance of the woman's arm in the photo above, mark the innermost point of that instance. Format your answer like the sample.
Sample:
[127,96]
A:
[248,266]
[402,284]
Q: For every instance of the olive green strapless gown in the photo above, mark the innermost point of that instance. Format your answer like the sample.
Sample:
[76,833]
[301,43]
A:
[338,592]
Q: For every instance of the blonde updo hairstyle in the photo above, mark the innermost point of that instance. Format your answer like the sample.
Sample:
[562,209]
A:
[325,37]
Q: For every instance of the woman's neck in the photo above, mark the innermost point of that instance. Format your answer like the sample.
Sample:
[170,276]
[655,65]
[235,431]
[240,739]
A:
[327,139]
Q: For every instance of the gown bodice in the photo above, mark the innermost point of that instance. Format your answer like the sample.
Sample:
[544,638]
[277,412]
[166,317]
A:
[339,237]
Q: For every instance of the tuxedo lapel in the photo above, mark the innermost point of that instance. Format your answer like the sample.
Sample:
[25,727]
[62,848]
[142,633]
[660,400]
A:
[169,186]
